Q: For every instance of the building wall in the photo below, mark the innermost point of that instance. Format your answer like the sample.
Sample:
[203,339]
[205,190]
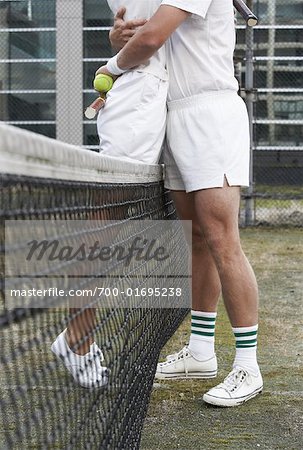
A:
[28,68]
[28,65]
[28,62]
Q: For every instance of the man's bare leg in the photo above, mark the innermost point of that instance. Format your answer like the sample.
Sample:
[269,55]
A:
[76,345]
[80,327]
[206,285]
[83,323]
[217,211]
[198,360]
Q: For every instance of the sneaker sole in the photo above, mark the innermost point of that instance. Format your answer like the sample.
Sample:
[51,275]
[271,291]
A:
[216,401]
[183,376]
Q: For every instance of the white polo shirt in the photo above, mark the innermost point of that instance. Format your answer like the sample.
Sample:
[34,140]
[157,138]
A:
[143,9]
[200,52]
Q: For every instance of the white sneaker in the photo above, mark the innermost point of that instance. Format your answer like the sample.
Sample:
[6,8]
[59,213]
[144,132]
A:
[238,387]
[86,370]
[185,365]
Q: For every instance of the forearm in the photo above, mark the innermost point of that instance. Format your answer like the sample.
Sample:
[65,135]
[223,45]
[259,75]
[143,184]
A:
[139,51]
[150,37]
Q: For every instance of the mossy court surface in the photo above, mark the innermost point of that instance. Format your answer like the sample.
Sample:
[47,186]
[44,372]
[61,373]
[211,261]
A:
[179,419]
[177,416]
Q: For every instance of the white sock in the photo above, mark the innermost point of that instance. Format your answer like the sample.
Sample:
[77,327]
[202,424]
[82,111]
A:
[202,338]
[246,348]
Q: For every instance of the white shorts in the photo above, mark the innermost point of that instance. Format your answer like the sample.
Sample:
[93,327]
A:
[131,126]
[207,140]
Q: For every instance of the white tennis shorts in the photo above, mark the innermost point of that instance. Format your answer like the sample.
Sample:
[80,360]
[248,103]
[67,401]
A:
[207,140]
[131,126]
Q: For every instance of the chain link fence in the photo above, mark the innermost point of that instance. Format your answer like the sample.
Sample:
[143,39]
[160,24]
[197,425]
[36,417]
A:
[28,65]
[30,80]
[278,111]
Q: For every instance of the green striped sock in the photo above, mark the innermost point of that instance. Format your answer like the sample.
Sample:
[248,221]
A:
[246,348]
[202,338]
[203,324]
[246,337]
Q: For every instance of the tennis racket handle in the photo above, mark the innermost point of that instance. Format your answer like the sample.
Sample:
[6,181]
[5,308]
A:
[93,109]
[249,17]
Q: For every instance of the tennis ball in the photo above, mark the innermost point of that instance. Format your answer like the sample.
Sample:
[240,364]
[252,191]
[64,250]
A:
[103,83]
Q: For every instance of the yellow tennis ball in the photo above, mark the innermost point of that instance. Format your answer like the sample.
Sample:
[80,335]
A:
[103,83]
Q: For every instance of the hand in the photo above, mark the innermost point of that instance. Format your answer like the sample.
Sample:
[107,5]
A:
[123,30]
[103,69]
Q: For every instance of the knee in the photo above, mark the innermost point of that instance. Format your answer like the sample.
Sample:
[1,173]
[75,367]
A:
[224,245]
[198,240]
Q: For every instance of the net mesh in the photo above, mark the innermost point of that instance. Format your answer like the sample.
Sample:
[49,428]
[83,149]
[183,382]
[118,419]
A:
[41,405]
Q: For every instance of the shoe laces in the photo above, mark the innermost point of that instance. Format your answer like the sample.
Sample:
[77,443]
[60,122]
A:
[235,378]
[177,356]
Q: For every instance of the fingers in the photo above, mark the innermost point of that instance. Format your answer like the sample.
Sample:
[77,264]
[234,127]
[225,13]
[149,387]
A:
[127,34]
[130,23]
[103,69]
[122,30]
[135,23]
[120,13]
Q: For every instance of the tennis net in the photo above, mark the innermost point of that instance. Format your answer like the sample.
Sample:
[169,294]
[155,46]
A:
[47,185]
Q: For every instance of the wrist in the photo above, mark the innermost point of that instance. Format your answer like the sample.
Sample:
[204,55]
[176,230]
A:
[112,66]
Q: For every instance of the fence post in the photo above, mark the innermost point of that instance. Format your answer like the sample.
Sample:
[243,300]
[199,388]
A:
[69,71]
[271,12]
[249,98]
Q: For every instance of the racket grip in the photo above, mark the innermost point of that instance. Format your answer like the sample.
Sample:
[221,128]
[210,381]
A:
[93,109]
[249,17]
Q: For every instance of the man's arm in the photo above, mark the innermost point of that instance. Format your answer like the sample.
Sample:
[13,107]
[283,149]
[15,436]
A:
[149,38]
[123,30]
